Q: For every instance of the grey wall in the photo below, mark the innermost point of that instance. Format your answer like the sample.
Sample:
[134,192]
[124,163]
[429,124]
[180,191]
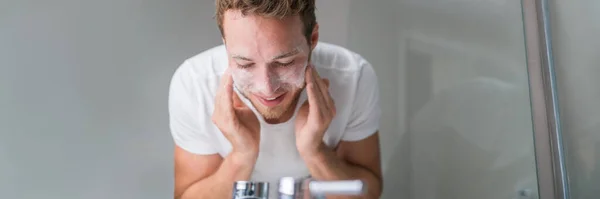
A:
[84,94]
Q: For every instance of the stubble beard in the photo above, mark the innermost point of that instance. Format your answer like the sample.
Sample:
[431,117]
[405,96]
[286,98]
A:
[281,110]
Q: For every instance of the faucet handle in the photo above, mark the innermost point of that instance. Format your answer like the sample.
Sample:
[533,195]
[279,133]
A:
[250,190]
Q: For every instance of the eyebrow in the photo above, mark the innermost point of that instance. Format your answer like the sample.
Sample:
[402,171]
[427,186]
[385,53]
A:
[281,56]
[241,57]
[288,54]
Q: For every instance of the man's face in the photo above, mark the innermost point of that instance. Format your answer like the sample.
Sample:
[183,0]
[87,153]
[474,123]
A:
[267,59]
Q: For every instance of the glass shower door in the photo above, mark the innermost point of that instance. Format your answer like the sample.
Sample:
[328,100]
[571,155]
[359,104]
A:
[575,29]
[472,106]
[467,130]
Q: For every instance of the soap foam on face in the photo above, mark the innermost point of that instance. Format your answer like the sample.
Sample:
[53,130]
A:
[285,78]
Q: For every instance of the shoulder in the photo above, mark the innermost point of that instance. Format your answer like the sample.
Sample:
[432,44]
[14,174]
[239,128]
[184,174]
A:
[200,73]
[191,100]
[342,66]
[333,57]
[194,83]
[207,64]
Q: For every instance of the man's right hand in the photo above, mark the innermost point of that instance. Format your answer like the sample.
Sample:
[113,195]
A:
[236,121]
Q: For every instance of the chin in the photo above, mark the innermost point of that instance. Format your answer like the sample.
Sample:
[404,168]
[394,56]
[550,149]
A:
[272,112]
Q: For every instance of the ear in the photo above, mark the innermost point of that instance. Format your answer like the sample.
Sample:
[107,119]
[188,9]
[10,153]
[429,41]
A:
[314,37]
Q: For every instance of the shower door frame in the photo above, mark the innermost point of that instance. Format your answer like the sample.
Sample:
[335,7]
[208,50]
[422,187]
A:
[549,148]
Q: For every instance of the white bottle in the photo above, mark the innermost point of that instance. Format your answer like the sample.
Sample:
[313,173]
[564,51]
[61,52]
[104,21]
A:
[297,188]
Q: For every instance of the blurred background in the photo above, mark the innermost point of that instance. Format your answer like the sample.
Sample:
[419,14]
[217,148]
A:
[84,85]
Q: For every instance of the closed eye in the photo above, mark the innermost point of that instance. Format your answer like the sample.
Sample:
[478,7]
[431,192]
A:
[245,66]
[286,64]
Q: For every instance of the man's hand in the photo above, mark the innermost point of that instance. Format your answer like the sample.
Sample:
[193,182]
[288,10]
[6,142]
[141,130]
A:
[314,116]
[350,160]
[237,122]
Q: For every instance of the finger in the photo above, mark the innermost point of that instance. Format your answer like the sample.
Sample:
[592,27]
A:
[317,78]
[327,96]
[226,102]
[325,88]
[312,90]
[223,112]
[308,75]
[318,106]
[313,102]
[220,94]
[223,80]
[238,103]
[222,85]
[314,78]
[322,86]
[322,92]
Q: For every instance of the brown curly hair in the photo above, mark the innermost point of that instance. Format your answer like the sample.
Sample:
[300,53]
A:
[271,8]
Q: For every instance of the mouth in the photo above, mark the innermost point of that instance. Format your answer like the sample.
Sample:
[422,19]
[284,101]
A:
[271,101]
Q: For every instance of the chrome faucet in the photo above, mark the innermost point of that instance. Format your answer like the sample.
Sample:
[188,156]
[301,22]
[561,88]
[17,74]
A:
[250,190]
[298,188]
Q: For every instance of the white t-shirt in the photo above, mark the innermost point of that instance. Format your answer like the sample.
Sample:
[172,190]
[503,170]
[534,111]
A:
[353,87]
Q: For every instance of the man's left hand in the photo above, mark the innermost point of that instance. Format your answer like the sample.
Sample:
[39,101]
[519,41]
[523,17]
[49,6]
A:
[315,115]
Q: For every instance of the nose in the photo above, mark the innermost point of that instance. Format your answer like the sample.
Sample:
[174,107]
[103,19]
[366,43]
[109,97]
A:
[269,81]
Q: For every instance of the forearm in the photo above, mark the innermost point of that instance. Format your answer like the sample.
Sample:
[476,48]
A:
[326,165]
[235,167]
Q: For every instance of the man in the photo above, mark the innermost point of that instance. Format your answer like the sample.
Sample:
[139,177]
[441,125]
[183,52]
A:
[272,102]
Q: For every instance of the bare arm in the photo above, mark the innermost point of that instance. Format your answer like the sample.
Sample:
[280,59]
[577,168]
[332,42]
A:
[208,176]
[352,160]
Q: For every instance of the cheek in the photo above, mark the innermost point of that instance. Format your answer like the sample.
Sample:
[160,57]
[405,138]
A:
[241,77]
[294,75]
